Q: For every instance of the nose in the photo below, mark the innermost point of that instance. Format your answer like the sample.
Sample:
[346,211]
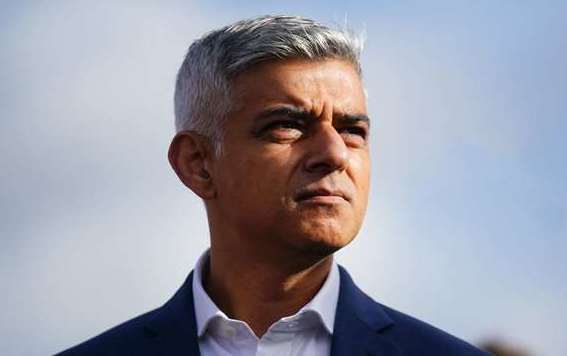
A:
[328,151]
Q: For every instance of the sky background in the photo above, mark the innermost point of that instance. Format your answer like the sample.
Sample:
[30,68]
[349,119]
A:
[467,223]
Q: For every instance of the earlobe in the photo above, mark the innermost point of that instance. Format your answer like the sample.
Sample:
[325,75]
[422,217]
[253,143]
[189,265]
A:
[189,155]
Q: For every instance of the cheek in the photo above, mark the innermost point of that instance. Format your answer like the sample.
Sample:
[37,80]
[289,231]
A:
[360,175]
[258,177]
[360,172]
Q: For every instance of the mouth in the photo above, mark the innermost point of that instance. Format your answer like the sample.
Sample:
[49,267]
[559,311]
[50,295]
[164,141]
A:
[321,196]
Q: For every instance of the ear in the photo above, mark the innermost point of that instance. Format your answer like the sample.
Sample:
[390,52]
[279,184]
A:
[189,155]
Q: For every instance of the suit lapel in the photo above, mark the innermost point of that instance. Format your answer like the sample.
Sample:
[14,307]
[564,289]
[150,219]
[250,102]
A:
[173,327]
[358,323]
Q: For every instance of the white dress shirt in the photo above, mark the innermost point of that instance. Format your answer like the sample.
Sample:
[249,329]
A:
[308,332]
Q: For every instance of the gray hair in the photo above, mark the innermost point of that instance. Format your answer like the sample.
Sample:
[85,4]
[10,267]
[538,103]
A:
[202,92]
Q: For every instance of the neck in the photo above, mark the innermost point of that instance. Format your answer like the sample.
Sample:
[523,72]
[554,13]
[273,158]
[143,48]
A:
[262,291]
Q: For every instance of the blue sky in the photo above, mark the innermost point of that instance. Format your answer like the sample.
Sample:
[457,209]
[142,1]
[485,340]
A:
[467,225]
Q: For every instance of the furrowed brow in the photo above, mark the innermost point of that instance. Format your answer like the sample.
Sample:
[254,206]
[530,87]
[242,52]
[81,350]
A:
[285,111]
[302,114]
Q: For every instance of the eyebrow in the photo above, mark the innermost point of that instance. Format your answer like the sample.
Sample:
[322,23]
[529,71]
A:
[351,119]
[302,114]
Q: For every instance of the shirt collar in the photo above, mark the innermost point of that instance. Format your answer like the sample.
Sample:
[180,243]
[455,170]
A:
[205,309]
[323,304]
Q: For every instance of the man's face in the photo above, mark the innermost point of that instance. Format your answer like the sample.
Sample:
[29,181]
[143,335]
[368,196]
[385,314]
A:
[294,167]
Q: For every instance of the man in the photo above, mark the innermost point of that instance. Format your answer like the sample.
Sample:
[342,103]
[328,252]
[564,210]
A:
[272,134]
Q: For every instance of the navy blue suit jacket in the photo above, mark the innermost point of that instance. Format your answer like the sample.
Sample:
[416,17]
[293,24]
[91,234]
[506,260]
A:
[362,327]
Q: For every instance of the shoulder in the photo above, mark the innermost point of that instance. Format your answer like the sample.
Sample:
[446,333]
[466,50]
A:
[392,330]
[129,338]
[169,329]
[414,336]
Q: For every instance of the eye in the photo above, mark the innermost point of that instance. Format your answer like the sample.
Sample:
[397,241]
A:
[284,129]
[284,125]
[354,130]
[354,135]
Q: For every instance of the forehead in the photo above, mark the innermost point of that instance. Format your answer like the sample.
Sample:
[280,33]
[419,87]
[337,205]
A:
[312,85]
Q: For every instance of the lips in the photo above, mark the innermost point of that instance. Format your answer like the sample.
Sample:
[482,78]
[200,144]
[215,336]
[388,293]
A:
[321,195]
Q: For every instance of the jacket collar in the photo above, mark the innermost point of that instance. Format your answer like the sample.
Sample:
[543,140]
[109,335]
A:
[359,321]
[173,326]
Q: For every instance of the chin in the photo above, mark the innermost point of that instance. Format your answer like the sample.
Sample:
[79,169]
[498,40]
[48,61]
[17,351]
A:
[322,241]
